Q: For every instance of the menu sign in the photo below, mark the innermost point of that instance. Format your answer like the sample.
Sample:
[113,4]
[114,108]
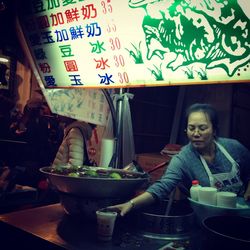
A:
[131,43]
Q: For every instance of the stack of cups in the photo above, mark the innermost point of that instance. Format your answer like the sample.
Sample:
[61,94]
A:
[226,199]
[210,196]
[207,195]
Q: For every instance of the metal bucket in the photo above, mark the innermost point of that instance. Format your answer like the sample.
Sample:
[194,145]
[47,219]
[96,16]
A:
[179,224]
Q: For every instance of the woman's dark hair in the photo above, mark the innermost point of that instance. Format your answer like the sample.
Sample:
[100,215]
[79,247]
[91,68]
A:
[206,109]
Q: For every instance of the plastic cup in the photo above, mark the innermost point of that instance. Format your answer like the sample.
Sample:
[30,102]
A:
[105,224]
[226,199]
[207,195]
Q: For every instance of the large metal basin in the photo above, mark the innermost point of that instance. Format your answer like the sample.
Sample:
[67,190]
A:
[202,211]
[92,187]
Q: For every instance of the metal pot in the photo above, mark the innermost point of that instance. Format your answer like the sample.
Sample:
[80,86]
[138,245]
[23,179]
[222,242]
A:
[178,224]
[229,232]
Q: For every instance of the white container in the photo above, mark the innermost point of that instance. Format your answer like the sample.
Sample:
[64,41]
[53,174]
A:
[194,190]
[107,151]
[207,195]
[226,199]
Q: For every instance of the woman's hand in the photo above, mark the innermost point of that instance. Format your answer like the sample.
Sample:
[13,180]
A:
[137,202]
[121,209]
[247,193]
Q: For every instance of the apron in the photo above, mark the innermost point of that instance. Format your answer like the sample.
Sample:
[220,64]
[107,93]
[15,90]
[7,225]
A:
[229,181]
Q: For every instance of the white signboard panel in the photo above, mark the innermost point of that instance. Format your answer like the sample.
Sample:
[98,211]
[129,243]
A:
[82,104]
[131,43]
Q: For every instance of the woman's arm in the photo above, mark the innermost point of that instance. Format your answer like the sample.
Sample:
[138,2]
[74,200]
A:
[142,200]
[76,147]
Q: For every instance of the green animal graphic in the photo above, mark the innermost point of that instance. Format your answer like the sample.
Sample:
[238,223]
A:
[212,32]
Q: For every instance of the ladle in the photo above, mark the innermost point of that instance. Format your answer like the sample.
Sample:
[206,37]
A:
[172,194]
[170,202]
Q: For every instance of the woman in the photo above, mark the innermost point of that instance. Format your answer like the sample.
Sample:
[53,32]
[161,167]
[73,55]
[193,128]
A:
[73,149]
[214,161]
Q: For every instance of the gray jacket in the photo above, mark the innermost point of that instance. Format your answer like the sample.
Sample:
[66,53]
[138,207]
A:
[186,166]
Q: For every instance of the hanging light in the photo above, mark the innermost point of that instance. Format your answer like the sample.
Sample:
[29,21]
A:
[4,60]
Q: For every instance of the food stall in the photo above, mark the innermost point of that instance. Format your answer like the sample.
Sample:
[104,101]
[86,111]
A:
[74,45]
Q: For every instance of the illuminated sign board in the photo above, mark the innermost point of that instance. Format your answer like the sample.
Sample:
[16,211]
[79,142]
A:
[132,43]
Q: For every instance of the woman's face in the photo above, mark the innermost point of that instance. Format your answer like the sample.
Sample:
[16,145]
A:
[200,130]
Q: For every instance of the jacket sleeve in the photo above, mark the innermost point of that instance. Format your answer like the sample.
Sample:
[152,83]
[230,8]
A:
[76,147]
[172,177]
[244,163]
[61,155]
